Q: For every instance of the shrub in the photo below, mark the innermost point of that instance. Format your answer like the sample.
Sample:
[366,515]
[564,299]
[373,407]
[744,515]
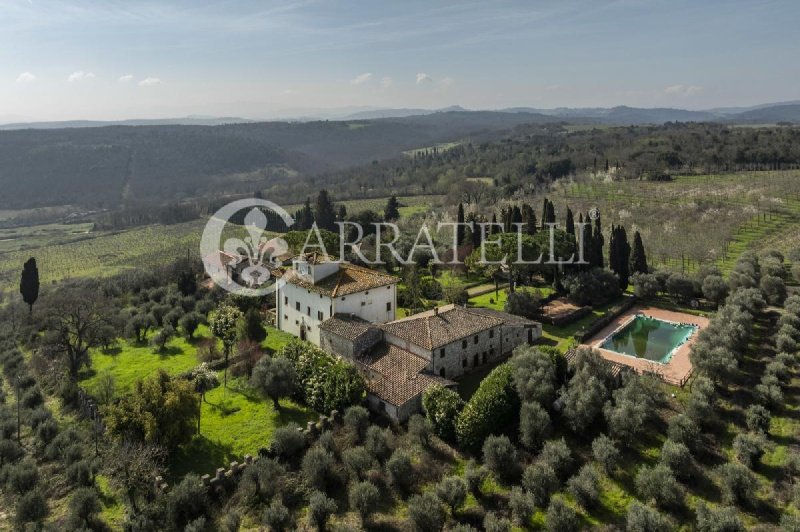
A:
[494,523]
[658,483]
[490,410]
[320,508]
[645,285]
[749,448]
[605,452]
[534,426]
[326,382]
[198,525]
[84,505]
[585,487]
[442,406]
[357,461]
[363,498]
[31,507]
[560,517]
[500,456]
[721,519]
[521,505]
[22,477]
[230,522]
[426,513]
[10,452]
[641,518]
[318,468]
[80,473]
[288,441]
[739,485]
[400,469]
[524,303]
[757,418]
[541,482]
[277,516]
[356,420]
[557,455]
[678,459]
[186,501]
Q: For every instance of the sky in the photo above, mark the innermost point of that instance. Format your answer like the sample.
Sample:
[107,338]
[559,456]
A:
[117,59]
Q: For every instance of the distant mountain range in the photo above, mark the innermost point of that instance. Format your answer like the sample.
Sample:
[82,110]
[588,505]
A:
[769,113]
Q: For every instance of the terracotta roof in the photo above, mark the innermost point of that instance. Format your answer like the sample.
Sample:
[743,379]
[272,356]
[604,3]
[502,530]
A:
[508,319]
[346,326]
[396,375]
[432,329]
[349,279]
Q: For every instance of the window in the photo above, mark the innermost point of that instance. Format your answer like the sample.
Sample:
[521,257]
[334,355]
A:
[285,317]
[475,359]
[484,357]
[319,315]
[475,340]
[308,311]
[441,353]
[285,300]
[463,344]
[441,372]
[297,306]
[491,333]
[388,306]
[363,303]
[464,363]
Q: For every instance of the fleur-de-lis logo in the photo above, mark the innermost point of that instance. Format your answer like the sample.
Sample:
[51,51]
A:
[253,256]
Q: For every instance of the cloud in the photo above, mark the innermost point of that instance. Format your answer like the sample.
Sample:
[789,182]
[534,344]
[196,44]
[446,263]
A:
[386,82]
[127,78]
[79,76]
[423,78]
[361,78]
[146,82]
[26,77]
[683,90]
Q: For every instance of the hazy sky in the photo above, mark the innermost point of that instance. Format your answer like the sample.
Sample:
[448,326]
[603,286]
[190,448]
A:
[132,59]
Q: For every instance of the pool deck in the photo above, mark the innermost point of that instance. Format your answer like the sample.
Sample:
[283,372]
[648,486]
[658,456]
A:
[678,369]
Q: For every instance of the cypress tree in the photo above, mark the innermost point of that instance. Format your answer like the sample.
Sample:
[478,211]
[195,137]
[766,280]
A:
[516,218]
[551,213]
[460,229]
[341,215]
[588,252]
[495,228]
[597,244]
[392,210]
[570,225]
[304,218]
[545,204]
[619,252]
[638,258]
[29,283]
[324,212]
[529,218]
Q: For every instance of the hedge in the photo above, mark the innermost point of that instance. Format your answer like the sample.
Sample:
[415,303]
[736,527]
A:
[491,410]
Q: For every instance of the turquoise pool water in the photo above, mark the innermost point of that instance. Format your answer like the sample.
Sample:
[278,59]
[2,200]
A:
[650,338]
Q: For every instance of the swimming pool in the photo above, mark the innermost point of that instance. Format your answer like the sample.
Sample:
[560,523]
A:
[649,338]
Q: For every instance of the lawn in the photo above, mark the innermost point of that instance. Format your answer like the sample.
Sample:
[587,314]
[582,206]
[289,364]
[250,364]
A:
[233,423]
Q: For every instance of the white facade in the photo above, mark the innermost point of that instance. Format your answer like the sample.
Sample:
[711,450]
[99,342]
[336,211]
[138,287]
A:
[302,306]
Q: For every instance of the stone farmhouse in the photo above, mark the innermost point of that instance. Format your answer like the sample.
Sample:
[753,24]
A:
[350,311]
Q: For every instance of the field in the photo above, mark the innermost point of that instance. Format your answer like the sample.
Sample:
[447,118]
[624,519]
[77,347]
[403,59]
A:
[254,418]
[695,219]
[63,253]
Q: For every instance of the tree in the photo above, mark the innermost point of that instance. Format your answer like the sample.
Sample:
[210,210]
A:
[642,518]
[83,507]
[187,501]
[31,507]
[500,456]
[534,425]
[749,448]
[619,255]
[74,323]
[318,468]
[392,211]
[324,212]
[720,519]
[569,225]
[274,377]
[585,487]
[638,256]
[223,323]
[657,483]
[560,516]
[677,457]
[288,441]
[253,326]
[494,523]
[320,508]
[541,481]
[534,375]
[605,451]
[29,283]
[460,229]
[645,285]
[426,513]
[161,410]
[356,420]
[757,418]
[159,341]
[377,442]
[715,289]
[526,303]
[491,408]
[363,498]
[557,455]
[739,485]
[400,469]
[131,468]
[442,406]
[521,505]
[276,516]
[452,491]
